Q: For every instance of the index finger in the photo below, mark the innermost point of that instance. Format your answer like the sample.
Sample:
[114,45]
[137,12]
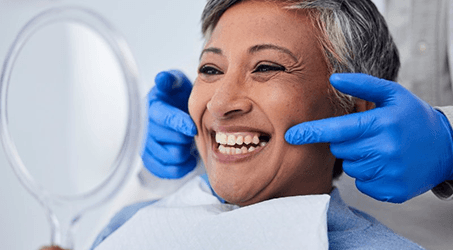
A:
[367,87]
[172,87]
[172,82]
[331,130]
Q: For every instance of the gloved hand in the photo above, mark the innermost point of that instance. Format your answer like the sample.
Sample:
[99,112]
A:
[396,151]
[167,152]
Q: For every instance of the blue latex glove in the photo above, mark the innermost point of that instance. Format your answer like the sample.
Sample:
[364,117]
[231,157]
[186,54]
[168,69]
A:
[397,151]
[167,152]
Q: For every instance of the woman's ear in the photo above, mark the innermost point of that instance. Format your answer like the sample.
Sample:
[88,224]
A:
[362,105]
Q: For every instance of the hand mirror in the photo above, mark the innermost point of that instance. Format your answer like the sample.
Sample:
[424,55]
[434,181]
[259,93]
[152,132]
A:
[75,110]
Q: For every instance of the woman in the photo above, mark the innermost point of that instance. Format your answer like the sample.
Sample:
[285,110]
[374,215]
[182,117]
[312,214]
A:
[265,67]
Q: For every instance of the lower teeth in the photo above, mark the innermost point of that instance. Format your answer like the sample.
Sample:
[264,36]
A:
[234,151]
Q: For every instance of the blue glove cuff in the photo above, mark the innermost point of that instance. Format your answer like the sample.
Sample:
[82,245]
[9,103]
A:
[447,119]
[444,190]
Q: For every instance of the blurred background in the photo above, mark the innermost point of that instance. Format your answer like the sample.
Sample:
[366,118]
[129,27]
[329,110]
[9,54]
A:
[67,106]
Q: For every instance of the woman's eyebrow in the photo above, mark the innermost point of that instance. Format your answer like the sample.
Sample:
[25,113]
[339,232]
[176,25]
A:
[260,47]
[212,50]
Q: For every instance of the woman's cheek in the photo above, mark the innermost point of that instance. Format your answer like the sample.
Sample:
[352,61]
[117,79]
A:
[197,107]
[193,102]
[286,103]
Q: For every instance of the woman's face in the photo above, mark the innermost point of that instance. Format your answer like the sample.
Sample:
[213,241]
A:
[261,72]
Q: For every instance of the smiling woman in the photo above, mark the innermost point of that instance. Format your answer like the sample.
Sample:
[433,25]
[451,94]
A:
[259,75]
[264,68]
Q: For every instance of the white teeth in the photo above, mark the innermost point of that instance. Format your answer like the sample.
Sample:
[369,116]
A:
[248,139]
[236,138]
[222,149]
[237,151]
[255,140]
[231,140]
[227,140]
[217,137]
[239,140]
[221,138]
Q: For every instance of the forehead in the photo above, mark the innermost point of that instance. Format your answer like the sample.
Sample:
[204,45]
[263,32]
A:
[256,22]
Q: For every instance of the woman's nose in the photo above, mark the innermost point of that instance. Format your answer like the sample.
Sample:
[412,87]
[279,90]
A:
[229,100]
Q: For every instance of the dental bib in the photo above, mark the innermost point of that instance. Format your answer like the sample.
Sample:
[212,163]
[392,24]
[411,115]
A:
[193,218]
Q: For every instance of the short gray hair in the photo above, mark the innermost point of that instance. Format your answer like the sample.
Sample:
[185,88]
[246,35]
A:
[352,33]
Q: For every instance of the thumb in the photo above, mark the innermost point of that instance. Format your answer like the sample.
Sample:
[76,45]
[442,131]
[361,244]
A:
[381,92]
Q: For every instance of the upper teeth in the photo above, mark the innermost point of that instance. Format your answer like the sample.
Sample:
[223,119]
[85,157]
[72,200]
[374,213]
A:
[236,138]
[228,141]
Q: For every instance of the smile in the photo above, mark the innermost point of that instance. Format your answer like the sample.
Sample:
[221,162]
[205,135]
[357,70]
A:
[235,147]
[239,142]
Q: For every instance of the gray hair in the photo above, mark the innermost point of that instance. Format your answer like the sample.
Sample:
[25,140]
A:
[352,33]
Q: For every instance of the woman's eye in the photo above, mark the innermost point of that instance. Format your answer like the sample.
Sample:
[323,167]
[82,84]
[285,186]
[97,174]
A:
[266,68]
[208,70]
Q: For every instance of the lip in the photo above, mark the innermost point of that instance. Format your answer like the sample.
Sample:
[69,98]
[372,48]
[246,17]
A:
[232,159]
[234,129]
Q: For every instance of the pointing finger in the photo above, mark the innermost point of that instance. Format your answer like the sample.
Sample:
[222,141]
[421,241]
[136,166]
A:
[170,82]
[333,130]
[366,87]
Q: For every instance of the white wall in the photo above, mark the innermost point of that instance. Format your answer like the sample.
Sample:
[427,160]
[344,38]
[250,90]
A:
[161,35]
